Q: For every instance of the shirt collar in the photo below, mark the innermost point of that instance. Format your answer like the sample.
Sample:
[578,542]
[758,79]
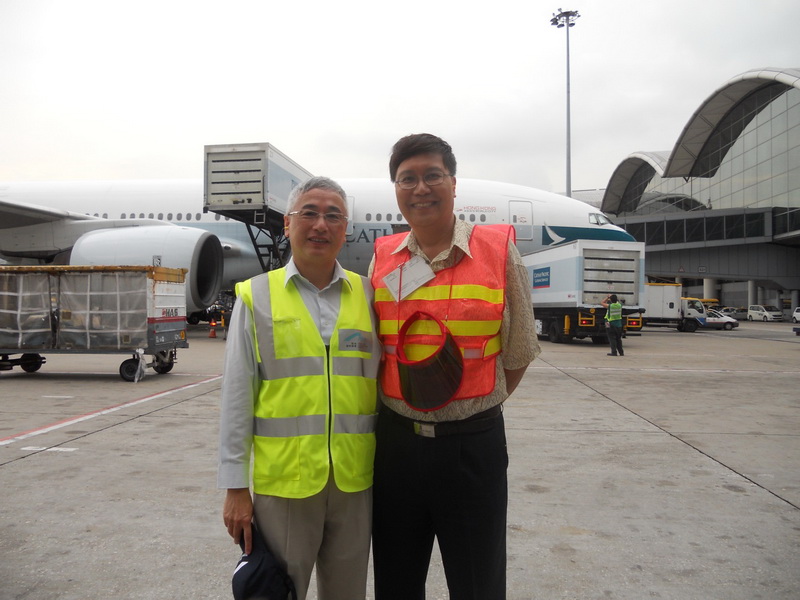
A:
[461,234]
[293,272]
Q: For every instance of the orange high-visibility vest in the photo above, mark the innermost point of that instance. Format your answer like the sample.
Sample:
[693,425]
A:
[468,298]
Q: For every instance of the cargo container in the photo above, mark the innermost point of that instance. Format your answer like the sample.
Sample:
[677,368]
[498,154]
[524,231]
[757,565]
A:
[134,310]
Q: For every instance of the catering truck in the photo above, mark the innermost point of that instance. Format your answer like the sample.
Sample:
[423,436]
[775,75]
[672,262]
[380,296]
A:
[571,281]
[134,310]
[664,307]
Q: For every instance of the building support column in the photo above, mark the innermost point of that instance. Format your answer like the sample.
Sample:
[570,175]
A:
[710,288]
[752,293]
[795,299]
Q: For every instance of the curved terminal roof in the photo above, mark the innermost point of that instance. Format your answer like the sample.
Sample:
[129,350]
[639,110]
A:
[637,167]
[705,138]
[693,141]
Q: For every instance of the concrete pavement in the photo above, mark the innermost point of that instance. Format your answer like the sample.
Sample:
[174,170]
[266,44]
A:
[672,472]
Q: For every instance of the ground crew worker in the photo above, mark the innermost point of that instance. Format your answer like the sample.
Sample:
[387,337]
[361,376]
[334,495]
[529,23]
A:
[614,324]
[455,316]
[299,389]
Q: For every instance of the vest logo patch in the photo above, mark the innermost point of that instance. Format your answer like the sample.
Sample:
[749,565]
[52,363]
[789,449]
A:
[355,340]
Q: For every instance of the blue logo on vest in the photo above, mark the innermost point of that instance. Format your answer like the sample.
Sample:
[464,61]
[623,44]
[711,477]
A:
[355,340]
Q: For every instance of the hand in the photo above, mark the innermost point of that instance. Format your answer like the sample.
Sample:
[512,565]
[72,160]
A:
[237,514]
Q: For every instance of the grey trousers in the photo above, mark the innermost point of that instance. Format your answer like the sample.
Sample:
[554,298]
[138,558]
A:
[330,530]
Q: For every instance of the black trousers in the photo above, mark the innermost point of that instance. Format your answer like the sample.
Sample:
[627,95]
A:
[615,339]
[453,488]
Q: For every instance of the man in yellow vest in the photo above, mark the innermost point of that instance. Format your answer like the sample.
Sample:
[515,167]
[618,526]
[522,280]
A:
[453,302]
[614,327]
[299,393]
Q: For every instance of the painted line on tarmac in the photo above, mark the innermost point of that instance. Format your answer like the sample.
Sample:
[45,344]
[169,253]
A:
[97,413]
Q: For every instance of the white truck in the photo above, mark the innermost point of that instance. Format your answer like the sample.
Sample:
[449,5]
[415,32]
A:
[664,307]
[570,282]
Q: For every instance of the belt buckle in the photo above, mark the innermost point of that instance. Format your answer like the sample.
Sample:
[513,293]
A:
[425,429]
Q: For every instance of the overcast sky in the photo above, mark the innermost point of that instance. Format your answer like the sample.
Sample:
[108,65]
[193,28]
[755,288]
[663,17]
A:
[99,89]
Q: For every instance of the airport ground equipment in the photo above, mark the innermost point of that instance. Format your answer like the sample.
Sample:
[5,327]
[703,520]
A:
[665,307]
[135,310]
[251,183]
[571,281]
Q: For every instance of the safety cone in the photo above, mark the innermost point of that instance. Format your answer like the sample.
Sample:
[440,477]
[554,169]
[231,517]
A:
[212,332]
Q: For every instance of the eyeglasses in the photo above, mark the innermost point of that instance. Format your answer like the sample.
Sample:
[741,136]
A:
[311,216]
[409,182]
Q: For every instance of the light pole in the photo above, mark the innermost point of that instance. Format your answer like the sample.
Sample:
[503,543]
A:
[566,19]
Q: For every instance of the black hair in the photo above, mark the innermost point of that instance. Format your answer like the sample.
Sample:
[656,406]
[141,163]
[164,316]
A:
[421,143]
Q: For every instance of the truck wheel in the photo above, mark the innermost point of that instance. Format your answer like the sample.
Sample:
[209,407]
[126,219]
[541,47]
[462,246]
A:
[127,370]
[30,363]
[555,335]
[690,326]
[163,362]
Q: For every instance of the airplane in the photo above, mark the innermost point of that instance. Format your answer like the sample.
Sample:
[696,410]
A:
[153,222]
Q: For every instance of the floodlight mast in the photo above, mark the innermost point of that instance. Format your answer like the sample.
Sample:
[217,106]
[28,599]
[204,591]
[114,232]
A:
[566,19]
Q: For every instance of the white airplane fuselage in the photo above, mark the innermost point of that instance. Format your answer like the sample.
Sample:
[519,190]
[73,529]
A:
[541,219]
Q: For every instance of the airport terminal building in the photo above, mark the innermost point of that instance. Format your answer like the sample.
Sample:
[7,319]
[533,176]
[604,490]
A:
[720,212]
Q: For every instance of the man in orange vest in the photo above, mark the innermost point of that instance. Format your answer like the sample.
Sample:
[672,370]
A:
[456,321]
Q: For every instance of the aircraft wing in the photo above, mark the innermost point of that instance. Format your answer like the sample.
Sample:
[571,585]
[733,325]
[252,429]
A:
[17,214]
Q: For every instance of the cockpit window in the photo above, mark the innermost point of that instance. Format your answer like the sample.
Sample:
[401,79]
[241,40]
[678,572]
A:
[598,219]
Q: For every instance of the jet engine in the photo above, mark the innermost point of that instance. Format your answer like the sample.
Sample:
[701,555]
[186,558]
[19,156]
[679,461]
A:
[196,250]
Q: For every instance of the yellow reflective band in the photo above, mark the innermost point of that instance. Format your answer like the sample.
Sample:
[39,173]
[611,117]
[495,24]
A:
[423,351]
[427,327]
[445,292]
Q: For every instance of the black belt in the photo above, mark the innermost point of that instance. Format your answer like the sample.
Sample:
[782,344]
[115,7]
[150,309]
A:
[477,422]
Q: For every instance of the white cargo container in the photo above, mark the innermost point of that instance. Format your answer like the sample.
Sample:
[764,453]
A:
[249,177]
[135,310]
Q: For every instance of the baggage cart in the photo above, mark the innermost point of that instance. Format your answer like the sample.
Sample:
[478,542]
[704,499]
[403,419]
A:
[135,310]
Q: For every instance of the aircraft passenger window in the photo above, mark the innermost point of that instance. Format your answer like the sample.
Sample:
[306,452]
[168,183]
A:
[160,216]
[216,216]
[483,218]
[105,215]
[151,216]
[389,217]
[188,216]
[461,216]
[141,215]
[197,216]
[378,216]
[169,216]
[472,218]
[399,217]
[179,216]
[369,216]
[133,215]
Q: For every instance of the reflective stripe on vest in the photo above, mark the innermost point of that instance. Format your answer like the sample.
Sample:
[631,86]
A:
[469,298]
[314,405]
[614,312]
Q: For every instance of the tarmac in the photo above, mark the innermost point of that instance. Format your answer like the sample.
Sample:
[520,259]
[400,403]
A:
[672,472]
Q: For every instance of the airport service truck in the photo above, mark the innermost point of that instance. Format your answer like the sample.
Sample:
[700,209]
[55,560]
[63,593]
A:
[571,281]
[664,307]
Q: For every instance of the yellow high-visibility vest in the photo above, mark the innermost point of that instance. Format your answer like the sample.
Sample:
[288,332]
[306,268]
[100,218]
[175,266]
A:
[316,406]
